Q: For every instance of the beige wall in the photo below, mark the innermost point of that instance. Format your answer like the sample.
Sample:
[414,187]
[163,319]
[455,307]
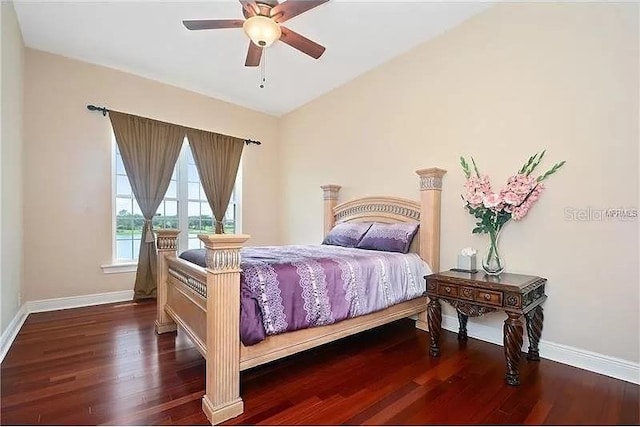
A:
[511,81]
[11,151]
[68,184]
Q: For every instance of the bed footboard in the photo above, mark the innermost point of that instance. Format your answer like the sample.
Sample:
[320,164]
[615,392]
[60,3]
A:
[206,305]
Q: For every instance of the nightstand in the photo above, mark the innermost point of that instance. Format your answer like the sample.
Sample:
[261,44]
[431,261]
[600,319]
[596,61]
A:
[474,294]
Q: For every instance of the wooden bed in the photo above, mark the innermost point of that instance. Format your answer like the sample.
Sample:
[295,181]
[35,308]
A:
[205,302]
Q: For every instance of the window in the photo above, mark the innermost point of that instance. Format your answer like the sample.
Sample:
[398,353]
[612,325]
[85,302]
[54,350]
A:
[184,207]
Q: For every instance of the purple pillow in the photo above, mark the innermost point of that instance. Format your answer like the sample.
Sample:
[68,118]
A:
[389,237]
[346,234]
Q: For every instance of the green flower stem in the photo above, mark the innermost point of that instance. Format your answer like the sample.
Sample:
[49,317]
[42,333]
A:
[493,232]
[492,235]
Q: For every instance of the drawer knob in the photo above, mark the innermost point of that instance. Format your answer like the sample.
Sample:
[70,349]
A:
[487,297]
[447,289]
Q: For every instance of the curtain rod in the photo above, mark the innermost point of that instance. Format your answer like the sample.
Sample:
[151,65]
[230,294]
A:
[105,110]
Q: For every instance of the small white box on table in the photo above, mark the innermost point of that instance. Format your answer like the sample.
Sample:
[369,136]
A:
[467,260]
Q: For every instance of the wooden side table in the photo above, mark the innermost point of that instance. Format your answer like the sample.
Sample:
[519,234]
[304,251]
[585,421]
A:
[473,294]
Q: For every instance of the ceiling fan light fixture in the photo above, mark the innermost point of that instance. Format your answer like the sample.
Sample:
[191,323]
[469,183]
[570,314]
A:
[261,30]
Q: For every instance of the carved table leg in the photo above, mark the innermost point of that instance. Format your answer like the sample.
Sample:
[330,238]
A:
[462,331]
[534,318]
[513,332]
[434,319]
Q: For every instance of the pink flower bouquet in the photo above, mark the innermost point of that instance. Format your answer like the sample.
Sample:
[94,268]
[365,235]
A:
[493,209]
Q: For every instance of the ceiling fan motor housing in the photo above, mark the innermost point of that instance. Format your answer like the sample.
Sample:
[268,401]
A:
[262,31]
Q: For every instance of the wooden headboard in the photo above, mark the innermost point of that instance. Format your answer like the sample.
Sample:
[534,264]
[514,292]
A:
[426,211]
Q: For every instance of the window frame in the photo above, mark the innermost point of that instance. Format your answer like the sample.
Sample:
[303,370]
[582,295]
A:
[182,193]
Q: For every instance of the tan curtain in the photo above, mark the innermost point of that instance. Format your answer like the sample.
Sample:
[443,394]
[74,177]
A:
[149,150]
[217,158]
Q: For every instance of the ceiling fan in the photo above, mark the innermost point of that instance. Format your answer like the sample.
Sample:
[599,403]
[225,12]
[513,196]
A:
[264,26]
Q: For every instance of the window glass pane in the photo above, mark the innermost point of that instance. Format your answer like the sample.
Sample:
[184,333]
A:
[194,191]
[193,173]
[124,220]
[123,206]
[124,227]
[190,159]
[194,224]
[206,225]
[171,209]
[137,219]
[230,214]
[158,221]
[124,249]
[120,166]
[122,186]
[136,248]
[136,209]
[205,209]
[123,234]
[194,243]
[172,191]
[160,210]
[158,218]
[194,209]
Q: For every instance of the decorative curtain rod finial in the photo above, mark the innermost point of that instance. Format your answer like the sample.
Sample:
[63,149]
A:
[251,141]
[92,107]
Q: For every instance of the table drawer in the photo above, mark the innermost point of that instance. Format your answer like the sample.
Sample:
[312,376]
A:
[447,290]
[489,297]
[467,293]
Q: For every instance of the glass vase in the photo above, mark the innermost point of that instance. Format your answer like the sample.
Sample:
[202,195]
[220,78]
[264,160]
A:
[492,263]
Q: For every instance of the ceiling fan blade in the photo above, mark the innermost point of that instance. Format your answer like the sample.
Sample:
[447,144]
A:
[249,8]
[291,8]
[212,24]
[301,43]
[253,55]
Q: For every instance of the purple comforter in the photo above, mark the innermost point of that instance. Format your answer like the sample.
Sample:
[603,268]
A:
[286,288]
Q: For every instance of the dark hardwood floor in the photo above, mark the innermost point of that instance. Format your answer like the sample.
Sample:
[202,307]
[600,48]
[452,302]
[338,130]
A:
[105,365]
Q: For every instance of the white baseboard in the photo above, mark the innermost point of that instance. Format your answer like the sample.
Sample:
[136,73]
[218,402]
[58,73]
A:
[584,359]
[78,301]
[53,304]
[12,330]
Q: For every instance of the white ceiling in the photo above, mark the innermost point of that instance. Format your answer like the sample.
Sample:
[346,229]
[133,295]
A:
[147,38]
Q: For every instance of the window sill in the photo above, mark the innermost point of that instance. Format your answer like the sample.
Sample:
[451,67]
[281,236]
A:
[122,267]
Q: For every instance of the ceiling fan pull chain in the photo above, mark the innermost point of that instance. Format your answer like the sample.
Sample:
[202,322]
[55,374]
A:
[263,66]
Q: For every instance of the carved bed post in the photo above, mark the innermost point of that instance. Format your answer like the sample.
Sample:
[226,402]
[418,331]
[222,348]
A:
[222,398]
[167,244]
[430,192]
[330,201]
